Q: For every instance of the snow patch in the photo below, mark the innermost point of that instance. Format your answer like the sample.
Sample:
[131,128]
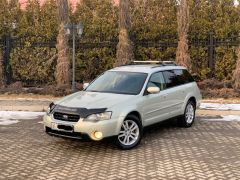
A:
[8,122]
[221,107]
[224,118]
[13,117]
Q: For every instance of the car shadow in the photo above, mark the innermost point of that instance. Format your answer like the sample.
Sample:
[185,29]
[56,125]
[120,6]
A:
[170,123]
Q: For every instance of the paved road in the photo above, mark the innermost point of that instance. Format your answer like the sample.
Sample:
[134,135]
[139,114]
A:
[208,150]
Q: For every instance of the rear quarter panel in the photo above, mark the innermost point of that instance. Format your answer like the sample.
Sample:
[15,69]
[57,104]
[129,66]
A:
[192,90]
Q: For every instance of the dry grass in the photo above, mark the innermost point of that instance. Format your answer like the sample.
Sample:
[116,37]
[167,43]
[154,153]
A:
[212,88]
[220,93]
[46,90]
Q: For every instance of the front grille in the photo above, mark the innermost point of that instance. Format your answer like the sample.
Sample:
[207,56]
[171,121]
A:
[66,117]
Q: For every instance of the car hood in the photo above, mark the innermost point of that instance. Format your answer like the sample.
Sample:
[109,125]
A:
[92,100]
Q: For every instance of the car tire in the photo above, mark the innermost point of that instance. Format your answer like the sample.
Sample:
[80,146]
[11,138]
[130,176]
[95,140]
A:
[130,133]
[187,119]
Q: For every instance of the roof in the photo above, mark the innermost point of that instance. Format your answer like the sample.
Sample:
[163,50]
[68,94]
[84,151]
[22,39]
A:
[147,68]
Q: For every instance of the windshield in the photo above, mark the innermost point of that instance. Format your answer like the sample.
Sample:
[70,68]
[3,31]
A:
[118,82]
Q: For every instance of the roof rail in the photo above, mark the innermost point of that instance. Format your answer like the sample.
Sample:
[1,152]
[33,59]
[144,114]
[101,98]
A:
[163,63]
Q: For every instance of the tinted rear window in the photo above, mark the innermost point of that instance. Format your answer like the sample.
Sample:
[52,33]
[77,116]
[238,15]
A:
[187,76]
[177,77]
[183,76]
[170,78]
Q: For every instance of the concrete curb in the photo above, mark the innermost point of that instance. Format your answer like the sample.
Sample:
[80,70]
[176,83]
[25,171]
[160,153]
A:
[203,112]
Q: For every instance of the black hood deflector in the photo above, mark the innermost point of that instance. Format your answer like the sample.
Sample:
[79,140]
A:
[83,112]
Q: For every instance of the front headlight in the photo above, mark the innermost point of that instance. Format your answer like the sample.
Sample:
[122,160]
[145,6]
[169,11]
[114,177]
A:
[98,117]
[50,108]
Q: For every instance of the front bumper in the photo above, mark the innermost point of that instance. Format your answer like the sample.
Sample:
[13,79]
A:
[66,134]
[106,127]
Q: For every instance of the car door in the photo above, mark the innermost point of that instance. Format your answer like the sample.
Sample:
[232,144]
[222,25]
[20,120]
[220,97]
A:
[182,83]
[175,93]
[154,105]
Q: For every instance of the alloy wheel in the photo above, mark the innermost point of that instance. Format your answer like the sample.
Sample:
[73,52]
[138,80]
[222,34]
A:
[189,115]
[129,132]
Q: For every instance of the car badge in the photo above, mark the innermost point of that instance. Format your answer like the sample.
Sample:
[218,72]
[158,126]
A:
[65,116]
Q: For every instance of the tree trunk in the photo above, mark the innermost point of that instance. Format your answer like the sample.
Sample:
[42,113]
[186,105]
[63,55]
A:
[125,46]
[2,77]
[62,73]
[236,74]
[182,54]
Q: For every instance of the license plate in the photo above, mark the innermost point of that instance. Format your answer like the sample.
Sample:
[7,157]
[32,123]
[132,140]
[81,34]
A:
[54,126]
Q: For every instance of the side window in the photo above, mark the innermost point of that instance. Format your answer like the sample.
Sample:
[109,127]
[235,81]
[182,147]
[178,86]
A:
[183,76]
[170,78]
[157,80]
[187,76]
[179,76]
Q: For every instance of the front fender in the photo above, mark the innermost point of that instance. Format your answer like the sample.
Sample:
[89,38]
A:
[123,114]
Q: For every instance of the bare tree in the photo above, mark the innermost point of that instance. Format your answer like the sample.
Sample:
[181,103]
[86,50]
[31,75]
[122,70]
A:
[125,46]
[236,74]
[62,73]
[182,54]
[2,77]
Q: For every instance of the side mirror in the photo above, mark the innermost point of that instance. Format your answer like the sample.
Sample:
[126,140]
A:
[85,85]
[153,90]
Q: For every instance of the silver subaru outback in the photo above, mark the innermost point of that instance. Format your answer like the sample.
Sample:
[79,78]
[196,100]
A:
[124,100]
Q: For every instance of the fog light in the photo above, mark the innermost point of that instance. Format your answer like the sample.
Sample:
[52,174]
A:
[97,135]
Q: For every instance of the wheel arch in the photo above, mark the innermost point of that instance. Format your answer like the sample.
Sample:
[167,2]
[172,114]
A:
[137,114]
[125,115]
[136,117]
[189,97]
[193,99]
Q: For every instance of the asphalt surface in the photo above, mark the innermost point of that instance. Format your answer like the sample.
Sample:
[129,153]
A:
[208,150]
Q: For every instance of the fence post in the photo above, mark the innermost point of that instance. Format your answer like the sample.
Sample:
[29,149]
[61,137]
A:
[7,51]
[211,47]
